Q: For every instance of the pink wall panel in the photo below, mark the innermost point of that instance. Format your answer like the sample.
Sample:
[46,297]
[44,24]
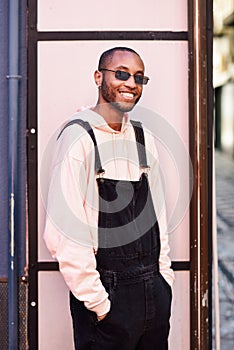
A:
[71,15]
[65,82]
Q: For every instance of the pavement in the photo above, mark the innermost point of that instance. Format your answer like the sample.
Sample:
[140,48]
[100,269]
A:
[224,166]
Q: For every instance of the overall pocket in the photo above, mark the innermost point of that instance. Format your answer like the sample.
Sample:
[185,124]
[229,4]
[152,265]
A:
[166,284]
[110,290]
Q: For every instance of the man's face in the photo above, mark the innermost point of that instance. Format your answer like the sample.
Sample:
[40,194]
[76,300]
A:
[122,95]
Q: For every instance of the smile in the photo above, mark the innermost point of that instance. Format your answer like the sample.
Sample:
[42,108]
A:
[127,95]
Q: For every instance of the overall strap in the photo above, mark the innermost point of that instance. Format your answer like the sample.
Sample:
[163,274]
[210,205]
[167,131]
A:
[88,128]
[140,139]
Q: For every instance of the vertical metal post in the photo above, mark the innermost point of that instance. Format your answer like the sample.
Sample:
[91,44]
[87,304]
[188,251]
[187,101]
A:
[210,156]
[13,79]
[33,330]
[201,116]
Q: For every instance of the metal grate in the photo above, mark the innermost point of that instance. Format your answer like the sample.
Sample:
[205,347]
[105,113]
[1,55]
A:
[3,316]
[22,314]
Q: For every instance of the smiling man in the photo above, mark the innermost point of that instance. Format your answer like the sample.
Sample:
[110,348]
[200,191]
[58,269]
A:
[109,234]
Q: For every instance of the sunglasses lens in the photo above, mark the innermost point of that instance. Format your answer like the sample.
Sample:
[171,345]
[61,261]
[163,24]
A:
[124,76]
[139,79]
[121,75]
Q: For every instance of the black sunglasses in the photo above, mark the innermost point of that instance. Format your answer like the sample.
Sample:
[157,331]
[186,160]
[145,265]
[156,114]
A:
[124,76]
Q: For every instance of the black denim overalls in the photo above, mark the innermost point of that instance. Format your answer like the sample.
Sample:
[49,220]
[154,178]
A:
[127,260]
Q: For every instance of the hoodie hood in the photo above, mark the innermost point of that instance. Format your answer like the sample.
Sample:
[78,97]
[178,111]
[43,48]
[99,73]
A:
[97,121]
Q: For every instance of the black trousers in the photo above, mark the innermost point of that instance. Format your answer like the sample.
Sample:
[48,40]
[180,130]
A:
[138,319]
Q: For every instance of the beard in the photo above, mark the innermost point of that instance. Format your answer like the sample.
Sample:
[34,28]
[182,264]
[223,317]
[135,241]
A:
[110,97]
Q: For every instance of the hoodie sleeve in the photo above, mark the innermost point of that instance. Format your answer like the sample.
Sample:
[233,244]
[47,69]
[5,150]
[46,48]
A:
[69,236]
[158,197]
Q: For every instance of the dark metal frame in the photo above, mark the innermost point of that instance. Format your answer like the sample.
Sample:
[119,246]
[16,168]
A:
[201,153]
[200,334]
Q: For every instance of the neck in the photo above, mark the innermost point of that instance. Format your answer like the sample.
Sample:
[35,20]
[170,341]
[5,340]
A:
[113,117]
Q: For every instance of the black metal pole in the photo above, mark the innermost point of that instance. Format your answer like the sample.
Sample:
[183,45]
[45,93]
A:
[13,79]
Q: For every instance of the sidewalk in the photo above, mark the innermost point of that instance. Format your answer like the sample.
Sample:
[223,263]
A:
[225,235]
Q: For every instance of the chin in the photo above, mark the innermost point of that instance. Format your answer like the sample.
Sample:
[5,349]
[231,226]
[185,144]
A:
[123,106]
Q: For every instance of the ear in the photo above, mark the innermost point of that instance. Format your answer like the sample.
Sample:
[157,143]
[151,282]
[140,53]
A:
[98,77]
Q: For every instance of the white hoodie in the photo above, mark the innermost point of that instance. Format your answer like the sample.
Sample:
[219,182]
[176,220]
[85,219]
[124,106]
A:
[72,209]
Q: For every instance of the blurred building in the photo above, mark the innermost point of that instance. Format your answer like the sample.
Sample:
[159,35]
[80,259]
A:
[224,75]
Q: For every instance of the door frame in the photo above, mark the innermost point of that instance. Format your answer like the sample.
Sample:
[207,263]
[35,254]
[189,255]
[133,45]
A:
[200,40]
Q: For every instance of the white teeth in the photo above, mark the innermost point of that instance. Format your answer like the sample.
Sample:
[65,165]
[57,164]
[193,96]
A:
[127,94]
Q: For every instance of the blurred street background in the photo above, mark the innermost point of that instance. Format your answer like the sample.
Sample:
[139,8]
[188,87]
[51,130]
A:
[225,237]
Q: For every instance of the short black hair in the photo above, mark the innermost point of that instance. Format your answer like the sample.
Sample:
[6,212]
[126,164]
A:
[107,55]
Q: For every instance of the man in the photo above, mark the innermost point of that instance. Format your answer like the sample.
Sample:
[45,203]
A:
[110,237]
